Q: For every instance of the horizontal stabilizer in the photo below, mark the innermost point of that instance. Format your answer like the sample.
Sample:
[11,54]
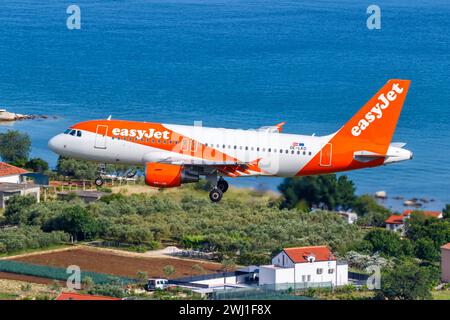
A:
[366,156]
[398,144]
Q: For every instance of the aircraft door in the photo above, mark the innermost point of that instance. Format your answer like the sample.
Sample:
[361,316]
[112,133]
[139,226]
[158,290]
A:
[326,155]
[100,137]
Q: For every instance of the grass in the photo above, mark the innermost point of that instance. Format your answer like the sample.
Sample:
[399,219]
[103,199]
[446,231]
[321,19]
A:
[441,294]
[8,296]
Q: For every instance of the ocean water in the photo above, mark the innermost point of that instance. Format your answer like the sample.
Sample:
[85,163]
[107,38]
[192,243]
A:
[237,64]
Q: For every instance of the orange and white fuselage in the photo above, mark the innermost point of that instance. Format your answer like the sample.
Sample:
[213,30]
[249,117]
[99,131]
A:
[169,149]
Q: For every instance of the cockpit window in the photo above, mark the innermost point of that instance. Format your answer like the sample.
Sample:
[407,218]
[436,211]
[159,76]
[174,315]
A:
[67,131]
[72,132]
[78,133]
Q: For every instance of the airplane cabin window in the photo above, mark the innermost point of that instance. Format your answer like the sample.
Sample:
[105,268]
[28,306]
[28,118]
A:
[269,150]
[309,153]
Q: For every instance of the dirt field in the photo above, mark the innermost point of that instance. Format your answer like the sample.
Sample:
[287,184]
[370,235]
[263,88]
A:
[109,262]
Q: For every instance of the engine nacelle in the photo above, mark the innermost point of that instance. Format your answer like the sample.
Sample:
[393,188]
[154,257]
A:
[164,175]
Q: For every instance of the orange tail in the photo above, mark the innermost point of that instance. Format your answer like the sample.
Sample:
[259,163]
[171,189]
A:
[374,124]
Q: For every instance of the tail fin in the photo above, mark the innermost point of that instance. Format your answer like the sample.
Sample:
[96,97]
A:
[374,124]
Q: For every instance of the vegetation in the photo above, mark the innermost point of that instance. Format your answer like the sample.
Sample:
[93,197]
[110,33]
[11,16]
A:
[15,147]
[324,191]
[28,237]
[241,227]
[245,228]
[37,165]
[408,281]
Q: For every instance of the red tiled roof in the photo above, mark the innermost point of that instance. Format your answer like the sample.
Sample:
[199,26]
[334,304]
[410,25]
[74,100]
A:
[395,219]
[446,246]
[300,254]
[434,214]
[78,296]
[9,170]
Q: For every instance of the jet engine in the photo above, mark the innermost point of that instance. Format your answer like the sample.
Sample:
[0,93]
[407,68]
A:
[164,175]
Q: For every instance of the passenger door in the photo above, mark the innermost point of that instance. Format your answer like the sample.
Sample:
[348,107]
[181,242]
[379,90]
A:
[100,137]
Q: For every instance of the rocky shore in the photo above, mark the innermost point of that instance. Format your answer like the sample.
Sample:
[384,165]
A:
[10,116]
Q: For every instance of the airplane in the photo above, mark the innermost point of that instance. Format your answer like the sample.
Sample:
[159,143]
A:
[176,154]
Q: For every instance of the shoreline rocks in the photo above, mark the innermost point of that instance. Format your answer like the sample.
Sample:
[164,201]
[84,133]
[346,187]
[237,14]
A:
[11,116]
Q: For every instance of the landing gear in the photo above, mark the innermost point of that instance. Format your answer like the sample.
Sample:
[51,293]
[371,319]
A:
[99,181]
[222,185]
[215,194]
[101,170]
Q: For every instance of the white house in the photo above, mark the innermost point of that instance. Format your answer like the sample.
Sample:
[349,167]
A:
[11,174]
[312,265]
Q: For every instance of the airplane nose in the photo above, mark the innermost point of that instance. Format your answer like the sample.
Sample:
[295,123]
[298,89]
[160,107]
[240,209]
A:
[54,144]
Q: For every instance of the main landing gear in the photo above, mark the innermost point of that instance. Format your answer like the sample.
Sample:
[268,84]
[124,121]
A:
[219,189]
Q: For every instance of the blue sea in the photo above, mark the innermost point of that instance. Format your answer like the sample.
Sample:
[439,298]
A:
[238,64]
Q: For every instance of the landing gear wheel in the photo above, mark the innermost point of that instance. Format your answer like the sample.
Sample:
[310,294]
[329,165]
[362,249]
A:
[222,185]
[215,195]
[99,181]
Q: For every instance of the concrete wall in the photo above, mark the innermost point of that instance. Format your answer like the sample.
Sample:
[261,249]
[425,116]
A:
[342,275]
[310,272]
[282,260]
[271,275]
[445,265]
[35,192]
[11,179]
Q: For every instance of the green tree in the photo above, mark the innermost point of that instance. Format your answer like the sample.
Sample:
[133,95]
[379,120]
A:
[76,221]
[366,204]
[15,147]
[388,243]
[15,212]
[169,270]
[407,281]
[446,211]
[37,165]
[77,169]
[426,249]
[324,191]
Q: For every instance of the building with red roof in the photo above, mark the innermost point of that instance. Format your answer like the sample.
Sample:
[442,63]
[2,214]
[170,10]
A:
[12,183]
[10,173]
[311,266]
[79,296]
[445,262]
[396,222]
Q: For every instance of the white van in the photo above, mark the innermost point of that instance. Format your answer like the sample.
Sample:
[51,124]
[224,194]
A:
[156,283]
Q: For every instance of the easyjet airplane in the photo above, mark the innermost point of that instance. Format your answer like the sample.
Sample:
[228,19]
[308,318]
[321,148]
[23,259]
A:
[177,154]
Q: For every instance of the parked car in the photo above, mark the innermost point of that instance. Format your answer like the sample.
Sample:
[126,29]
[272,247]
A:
[156,283]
